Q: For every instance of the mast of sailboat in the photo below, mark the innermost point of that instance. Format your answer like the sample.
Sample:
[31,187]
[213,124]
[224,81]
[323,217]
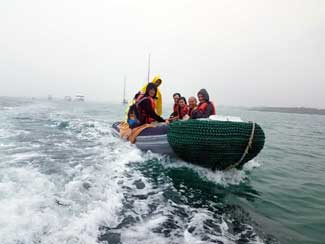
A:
[124,99]
[149,68]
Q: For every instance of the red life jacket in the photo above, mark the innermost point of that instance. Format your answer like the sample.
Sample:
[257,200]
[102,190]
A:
[183,111]
[139,97]
[154,105]
[146,117]
[203,107]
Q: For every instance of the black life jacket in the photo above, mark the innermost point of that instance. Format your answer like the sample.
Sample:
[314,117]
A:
[136,114]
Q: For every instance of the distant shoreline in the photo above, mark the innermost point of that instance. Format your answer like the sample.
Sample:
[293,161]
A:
[291,110]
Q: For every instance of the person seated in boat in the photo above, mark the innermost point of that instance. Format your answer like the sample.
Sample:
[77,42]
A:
[146,106]
[158,100]
[182,108]
[205,107]
[174,114]
[192,104]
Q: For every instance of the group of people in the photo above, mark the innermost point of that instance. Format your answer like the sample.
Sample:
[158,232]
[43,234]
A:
[147,106]
[193,109]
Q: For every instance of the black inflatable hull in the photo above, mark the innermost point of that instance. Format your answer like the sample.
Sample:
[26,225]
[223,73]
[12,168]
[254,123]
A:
[208,143]
[151,139]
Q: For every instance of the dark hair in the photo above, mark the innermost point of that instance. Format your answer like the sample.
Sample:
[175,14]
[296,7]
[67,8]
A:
[179,107]
[205,94]
[182,98]
[176,94]
[137,95]
[151,86]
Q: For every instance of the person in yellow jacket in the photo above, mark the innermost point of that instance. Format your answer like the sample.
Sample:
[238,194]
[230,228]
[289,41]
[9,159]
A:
[157,81]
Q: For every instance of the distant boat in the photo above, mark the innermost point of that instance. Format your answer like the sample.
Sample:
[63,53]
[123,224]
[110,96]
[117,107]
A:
[124,101]
[68,98]
[79,98]
[49,97]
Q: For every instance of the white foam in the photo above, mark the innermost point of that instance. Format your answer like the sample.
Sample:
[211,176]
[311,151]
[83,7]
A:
[7,146]
[142,233]
[225,178]
[197,222]
[225,118]
[229,177]
[41,208]
[69,208]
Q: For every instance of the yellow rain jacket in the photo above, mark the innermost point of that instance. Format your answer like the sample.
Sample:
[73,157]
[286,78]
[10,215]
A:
[159,97]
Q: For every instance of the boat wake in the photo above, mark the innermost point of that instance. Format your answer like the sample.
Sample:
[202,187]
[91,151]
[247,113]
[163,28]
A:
[65,179]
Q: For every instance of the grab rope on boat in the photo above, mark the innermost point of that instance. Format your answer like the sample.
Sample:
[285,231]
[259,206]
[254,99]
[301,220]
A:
[215,144]
[249,145]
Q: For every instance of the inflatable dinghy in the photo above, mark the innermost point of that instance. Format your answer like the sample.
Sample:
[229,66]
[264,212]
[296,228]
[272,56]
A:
[208,143]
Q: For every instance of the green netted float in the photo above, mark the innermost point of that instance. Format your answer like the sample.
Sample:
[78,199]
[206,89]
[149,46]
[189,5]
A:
[216,144]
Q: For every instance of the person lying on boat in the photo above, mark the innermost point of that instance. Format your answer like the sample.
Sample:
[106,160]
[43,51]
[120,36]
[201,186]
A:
[174,114]
[192,104]
[205,107]
[158,100]
[146,106]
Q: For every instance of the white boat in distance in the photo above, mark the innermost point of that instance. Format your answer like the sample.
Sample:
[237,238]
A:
[124,101]
[79,98]
[68,98]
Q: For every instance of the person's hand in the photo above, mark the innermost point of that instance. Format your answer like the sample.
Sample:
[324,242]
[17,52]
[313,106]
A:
[167,121]
[186,117]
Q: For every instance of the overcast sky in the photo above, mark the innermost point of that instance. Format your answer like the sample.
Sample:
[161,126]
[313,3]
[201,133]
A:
[252,53]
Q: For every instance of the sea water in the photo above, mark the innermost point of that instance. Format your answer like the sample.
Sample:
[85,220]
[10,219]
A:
[65,179]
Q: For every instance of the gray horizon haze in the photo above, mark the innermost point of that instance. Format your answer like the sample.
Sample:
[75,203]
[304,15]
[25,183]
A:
[245,53]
